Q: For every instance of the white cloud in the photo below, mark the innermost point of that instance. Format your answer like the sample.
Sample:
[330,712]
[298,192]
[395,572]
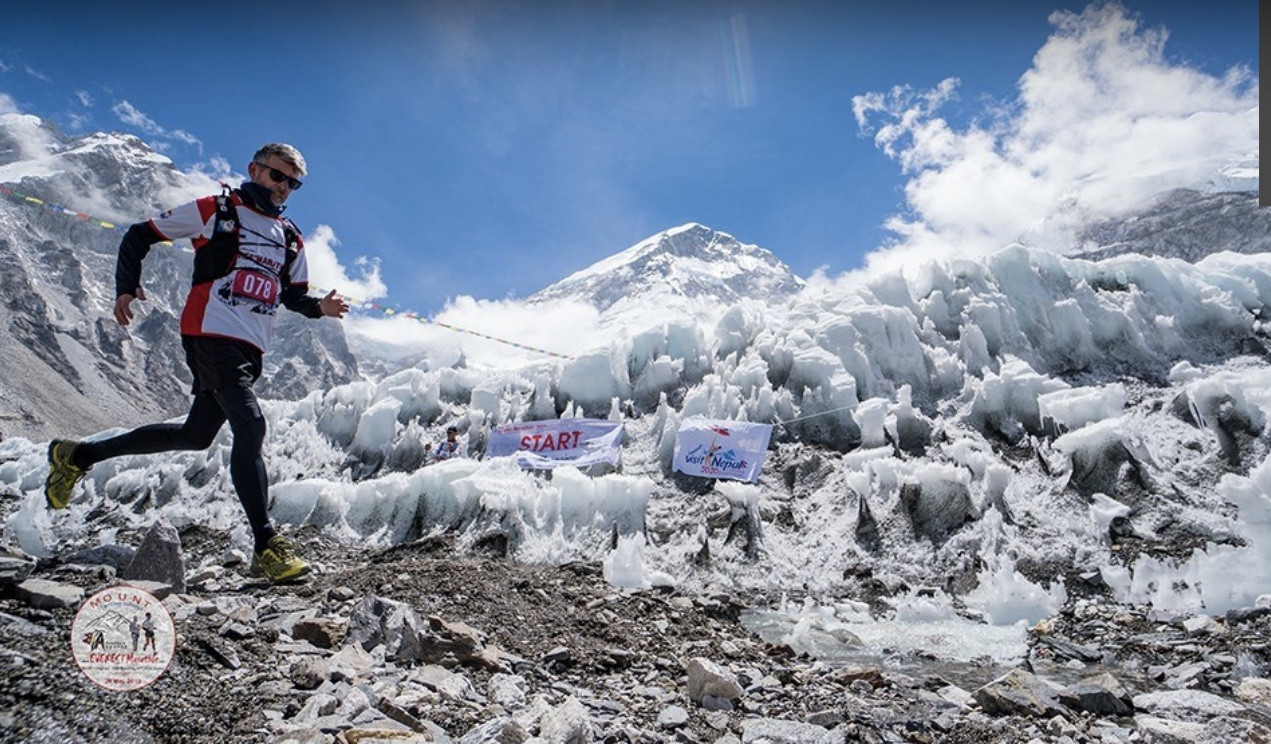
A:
[37,74]
[133,117]
[326,271]
[77,122]
[129,115]
[564,327]
[500,334]
[85,99]
[1103,121]
[217,168]
[7,105]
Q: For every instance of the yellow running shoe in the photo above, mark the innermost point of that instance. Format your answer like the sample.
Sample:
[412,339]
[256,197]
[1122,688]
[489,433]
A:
[63,473]
[279,562]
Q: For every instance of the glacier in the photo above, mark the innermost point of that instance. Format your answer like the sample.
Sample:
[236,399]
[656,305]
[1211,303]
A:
[966,443]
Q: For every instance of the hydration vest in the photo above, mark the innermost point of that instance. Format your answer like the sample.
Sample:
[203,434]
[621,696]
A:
[221,251]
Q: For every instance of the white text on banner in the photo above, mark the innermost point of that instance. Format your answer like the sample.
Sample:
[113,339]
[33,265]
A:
[543,445]
[721,449]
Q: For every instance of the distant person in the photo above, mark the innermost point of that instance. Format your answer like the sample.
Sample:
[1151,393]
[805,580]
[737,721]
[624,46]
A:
[450,446]
[248,259]
[147,627]
[134,630]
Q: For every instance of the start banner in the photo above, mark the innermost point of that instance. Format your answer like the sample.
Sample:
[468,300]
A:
[543,445]
[721,449]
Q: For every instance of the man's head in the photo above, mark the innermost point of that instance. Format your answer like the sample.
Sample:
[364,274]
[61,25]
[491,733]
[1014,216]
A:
[277,167]
[451,433]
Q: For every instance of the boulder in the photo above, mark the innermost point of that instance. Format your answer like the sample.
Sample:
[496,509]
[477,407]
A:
[159,558]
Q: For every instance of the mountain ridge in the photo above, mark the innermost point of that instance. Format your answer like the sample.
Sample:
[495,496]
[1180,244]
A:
[690,261]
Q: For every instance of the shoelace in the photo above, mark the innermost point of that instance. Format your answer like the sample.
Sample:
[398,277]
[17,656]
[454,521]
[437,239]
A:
[285,550]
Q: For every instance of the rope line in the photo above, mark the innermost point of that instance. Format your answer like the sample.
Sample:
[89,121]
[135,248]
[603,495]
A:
[814,415]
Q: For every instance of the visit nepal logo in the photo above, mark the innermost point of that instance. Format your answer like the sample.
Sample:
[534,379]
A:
[711,460]
[123,638]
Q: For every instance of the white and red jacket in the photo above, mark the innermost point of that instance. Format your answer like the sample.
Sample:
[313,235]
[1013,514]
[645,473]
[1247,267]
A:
[246,263]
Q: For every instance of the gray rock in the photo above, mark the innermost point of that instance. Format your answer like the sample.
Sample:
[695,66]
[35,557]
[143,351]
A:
[1186,705]
[378,621]
[955,696]
[501,730]
[710,702]
[1186,675]
[319,705]
[672,717]
[222,652]
[48,595]
[778,731]
[1019,693]
[117,556]
[156,589]
[14,624]
[307,735]
[827,718]
[1202,624]
[350,663]
[159,557]
[705,677]
[236,631]
[558,656]
[567,723]
[341,594]
[15,566]
[355,702]
[1093,698]
[1165,731]
[506,690]
[307,673]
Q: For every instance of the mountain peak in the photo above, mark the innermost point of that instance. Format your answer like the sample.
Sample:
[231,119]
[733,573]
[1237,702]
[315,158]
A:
[691,261]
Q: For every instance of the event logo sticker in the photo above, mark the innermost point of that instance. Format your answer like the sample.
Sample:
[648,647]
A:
[123,638]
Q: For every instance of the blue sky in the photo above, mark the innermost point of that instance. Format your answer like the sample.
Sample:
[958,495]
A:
[488,149]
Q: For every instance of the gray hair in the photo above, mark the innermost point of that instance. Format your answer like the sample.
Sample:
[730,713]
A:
[289,155]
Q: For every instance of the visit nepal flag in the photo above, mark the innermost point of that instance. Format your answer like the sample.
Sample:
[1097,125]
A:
[721,449]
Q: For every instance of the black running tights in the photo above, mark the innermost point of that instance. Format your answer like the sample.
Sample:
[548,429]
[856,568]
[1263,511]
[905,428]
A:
[235,403]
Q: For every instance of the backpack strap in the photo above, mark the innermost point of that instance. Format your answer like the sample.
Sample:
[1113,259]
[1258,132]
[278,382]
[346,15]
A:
[293,244]
[227,224]
[226,212]
[228,228]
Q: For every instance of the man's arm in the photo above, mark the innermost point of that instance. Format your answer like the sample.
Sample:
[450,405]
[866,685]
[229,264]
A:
[295,297]
[132,251]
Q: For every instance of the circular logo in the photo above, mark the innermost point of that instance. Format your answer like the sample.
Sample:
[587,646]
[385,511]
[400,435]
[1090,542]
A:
[123,638]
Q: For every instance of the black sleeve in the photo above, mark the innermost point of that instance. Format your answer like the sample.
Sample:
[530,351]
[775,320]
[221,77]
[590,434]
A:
[297,299]
[132,251]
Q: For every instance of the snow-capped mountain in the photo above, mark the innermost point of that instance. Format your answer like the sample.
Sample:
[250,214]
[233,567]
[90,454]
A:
[685,265]
[1184,224]
[69,368]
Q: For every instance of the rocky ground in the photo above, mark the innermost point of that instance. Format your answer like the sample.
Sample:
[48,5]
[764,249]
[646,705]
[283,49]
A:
[415,644]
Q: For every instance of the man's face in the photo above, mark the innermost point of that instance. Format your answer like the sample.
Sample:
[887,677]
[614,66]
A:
[263,173]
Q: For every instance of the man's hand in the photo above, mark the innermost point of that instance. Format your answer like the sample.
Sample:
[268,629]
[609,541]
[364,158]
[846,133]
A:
[333,306]
[123,306]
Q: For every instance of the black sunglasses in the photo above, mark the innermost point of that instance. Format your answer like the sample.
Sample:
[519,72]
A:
[278,176]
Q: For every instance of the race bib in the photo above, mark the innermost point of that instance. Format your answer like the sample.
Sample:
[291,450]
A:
[254,285]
